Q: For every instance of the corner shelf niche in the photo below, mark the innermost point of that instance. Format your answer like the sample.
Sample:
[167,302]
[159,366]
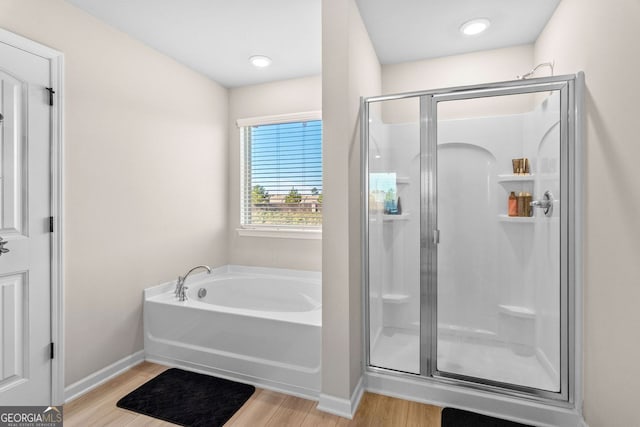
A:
[392,218]
[395,298]
[516,219]
[401,217]
[515,178]
[509,178]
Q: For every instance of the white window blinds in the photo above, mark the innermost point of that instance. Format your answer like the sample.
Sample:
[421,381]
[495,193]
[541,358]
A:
[281,175]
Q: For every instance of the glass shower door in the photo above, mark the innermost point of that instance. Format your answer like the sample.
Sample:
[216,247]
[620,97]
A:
[499,216]
[469,236]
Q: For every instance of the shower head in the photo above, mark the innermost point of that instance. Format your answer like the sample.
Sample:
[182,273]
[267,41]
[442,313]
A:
[534,69]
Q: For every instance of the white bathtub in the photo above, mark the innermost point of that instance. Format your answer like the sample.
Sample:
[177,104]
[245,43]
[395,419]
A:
[256,325]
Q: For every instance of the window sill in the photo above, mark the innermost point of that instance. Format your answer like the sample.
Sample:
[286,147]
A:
[280,233]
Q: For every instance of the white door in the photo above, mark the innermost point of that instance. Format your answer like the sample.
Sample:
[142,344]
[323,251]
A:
[25,271]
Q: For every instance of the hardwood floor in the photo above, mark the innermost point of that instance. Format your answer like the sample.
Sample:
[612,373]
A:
[264,408]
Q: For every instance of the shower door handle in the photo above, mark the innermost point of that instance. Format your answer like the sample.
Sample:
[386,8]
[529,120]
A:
[436,237]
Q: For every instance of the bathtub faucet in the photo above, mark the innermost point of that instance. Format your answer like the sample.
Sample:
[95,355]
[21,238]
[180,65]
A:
[181,288]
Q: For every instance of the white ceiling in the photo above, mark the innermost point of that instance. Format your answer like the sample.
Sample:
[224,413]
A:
[216,37]
[407,30]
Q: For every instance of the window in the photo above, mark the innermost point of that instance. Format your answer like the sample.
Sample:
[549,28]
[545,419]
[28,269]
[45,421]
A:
[281,172]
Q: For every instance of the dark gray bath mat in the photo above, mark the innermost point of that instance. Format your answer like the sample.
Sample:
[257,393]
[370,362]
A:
[187,398]
[452,417]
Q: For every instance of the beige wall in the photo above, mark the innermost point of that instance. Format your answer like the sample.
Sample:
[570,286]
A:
[350,69]
[458,70]
[145,170]
[283,97]
[600,38]
[365,79]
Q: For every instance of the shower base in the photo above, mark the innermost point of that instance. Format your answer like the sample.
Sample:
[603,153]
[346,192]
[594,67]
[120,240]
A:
[399,349]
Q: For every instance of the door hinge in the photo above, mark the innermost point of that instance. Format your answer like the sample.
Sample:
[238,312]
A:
[50,224]
[51,351]
[51,92]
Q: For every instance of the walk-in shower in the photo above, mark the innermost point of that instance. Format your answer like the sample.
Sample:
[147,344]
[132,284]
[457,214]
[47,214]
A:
[469,237]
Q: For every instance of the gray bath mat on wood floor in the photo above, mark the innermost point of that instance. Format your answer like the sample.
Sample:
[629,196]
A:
[188,398]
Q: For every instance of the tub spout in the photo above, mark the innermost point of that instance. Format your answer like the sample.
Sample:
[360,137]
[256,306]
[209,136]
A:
[181,289]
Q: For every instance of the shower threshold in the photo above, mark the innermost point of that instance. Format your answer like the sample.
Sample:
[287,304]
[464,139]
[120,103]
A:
[399,349]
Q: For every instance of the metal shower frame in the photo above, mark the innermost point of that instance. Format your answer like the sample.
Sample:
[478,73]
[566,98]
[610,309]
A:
[571,95]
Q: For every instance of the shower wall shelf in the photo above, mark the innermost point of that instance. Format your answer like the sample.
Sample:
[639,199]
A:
[395,298]
[516,219]
[403,180]
[515,178]
[392,218]
[401,217]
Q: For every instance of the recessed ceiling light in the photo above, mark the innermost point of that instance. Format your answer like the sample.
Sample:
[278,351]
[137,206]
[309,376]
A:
[260,61]
[475,26]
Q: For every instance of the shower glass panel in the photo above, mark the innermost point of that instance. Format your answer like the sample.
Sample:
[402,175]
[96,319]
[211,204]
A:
[498,262]
[393,221]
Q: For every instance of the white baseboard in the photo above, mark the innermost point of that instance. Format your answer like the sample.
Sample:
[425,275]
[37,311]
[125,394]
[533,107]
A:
[345,408]
[92,381]
[357,396]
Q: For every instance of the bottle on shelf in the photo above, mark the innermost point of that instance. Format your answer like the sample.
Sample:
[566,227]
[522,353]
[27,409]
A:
[528,210]
[513,204]
[523,203]
[521,166]
[521,206]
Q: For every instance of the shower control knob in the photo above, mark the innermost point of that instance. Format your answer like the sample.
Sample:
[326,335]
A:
[543,204]
[546,203]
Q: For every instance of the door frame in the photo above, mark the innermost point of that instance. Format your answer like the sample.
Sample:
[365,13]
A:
[429,224]
[56,64]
